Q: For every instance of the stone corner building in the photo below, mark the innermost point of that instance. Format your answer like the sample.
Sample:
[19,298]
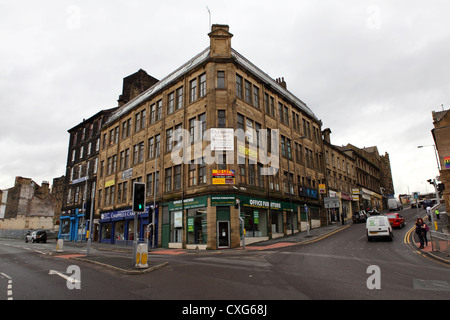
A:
[218,88]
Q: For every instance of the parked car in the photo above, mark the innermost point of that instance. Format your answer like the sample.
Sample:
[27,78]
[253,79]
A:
[374,212]
[36,236]
[379,227]
[396,220]
[359,216]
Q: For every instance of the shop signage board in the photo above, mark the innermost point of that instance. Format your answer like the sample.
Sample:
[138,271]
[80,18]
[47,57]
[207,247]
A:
[190,223]
[222,139]
[322,189]
[447,162]
[264,204]
[255,217]
[121,214]
[223,176]
[110,183]
[223,200]
[331,202]
[189,203]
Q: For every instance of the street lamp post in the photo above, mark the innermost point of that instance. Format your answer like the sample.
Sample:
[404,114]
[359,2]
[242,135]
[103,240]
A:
[435,153]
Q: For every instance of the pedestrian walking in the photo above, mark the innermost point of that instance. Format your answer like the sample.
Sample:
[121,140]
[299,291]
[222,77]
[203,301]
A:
[429,213]
[425,233]
[420,231]
[436,212]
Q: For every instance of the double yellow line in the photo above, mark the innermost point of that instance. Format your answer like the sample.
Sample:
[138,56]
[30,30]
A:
[323,236]
[408,237]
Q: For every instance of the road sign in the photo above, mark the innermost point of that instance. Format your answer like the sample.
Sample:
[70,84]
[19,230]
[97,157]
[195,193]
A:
[331,202]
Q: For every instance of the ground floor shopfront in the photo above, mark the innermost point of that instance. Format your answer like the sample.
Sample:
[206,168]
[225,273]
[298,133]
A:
[346,206]
[117,227]
[215,221]
[73,226]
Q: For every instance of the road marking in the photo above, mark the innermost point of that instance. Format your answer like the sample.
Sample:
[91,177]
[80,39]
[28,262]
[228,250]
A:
[9,288]
[6,276]
[62,275]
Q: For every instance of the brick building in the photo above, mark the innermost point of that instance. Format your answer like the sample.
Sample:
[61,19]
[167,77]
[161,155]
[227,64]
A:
[82,161]
[441,136]
[27,206]
[218,94]
[341,178]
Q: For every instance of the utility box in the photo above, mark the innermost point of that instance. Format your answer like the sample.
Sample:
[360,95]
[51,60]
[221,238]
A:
[60,245]
[141,256]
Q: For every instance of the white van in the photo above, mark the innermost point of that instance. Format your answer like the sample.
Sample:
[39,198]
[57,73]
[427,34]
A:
[394,204]
[378,226]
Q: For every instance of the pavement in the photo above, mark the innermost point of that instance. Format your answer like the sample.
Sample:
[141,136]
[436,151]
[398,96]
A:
[443,227]
[103,254]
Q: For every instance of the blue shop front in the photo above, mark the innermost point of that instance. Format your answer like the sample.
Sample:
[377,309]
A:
[73,226]
[117,227]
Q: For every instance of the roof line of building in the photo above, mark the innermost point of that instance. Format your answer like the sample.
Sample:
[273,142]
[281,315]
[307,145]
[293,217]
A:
[192,63]
[200,58]
[275,85]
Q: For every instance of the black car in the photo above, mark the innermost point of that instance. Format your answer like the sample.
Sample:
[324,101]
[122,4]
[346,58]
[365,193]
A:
[359,216]
[36,236]
[374,212]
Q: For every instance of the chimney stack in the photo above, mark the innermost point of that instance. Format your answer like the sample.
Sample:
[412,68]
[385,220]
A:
[281,82]
[220,41]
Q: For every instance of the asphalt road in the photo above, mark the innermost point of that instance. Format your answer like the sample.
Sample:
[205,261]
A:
[342,266]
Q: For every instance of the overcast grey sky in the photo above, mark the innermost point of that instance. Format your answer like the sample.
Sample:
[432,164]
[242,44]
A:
[372,71]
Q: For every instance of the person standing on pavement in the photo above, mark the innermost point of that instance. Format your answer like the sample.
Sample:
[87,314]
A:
[425,232]
[420,231]
[429,212]
[436,212]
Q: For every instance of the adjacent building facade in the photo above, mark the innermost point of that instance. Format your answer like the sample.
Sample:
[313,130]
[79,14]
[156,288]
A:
[359,177]
[27,206]
[441,136]
[82,163]
[341,179]
[202,139]
[81,176]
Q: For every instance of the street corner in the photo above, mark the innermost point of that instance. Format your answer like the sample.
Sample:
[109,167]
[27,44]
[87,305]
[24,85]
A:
[120,264]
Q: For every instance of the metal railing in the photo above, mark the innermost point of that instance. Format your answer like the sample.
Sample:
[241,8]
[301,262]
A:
[440,242]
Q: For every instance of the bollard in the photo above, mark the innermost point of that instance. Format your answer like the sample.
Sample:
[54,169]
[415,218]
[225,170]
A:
[60,245]
[141,256]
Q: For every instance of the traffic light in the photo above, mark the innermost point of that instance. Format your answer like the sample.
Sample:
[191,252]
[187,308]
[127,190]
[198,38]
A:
[138,197]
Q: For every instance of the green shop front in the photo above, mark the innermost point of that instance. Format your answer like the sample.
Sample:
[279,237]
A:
[184,222]
[212,221]
[264,219]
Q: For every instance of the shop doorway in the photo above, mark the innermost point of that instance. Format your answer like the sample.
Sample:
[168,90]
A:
[223,234]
